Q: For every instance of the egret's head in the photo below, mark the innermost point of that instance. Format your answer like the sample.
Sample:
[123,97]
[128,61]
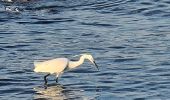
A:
[90,58]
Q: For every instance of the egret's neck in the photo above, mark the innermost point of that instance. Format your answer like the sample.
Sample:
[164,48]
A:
[74,64]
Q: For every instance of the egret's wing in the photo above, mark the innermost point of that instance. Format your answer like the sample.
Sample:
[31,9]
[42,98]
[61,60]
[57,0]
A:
[51,66]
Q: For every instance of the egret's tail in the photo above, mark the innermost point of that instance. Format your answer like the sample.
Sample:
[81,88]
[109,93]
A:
[36,64]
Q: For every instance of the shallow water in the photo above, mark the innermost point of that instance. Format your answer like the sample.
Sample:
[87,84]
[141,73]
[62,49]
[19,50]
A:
[129,39]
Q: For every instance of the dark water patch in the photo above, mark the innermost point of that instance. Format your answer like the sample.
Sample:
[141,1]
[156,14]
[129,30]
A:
[124,59]
[68,38]
[165,63]
[6,33]
[110,73]
[132,69]
[35,32]
[45,7]
[26,49]
[1,37]
[74,98]
[7,79]
[26,91]
[138,11]
[158,35]
[14,79]
[3,20]
[6,83]
[24,22]
[10,83]
[10,47]
[153,12]
[139,98]
[16,72]
[97,24]
[157,70]
[32,77]
[1,49]
[156,0]
[87,34]
[118,9]
[126,89]
[106,81]
[165,74]
[107,5]
[104,88]
[162,6]
[92,48]
[153,88]
[140,47]
[39,39]
[163,83]
[135,82]
[146,3]
[82,71]
[168,2]
[93,5]
[68,76]
[140,87]
[60,29]
[4,43]
[43,22]
[16,46]
[47,21]
[74,84]
[117,47]
[132,0]
[97,36]
[11,90]
[53,11]
[60,19]
[151,84]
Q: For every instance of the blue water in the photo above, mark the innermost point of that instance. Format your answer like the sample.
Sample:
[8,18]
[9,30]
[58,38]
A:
[129,39]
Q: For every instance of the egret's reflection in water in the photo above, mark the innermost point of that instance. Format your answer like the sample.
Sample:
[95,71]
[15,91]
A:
[58,92]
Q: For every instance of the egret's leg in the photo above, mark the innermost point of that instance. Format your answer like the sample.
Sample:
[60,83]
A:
[57,76]
[45,79]
[56,79]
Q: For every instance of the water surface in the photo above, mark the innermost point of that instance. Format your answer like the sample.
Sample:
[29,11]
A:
[129,39]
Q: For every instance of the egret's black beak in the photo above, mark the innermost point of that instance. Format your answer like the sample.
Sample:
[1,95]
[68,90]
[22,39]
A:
[96,65]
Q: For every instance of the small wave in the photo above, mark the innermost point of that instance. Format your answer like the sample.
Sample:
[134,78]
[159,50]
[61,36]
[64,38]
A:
[96,48]
[138,11]
[46,21]
[1,49]
[153,12]
[82,71]
[124,59]
[16,46]
[3,20]
[98,24]
[117,47]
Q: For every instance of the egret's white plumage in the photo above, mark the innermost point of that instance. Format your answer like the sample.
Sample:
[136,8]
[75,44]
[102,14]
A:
[59,65]
[51,66]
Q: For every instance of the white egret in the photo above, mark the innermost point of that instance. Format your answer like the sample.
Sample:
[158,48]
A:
[57,66]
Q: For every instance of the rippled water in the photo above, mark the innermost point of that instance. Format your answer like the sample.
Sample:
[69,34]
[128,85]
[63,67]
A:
[129,39]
